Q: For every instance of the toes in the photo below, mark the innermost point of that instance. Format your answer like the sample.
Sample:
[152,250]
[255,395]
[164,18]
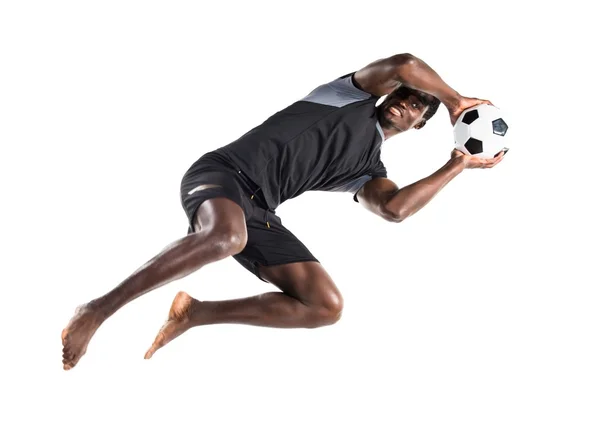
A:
[67,363]
[71,362]
[151,351]
[158,343]
[68,357]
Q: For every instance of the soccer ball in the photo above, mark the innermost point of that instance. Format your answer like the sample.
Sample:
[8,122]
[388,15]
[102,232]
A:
[481,131]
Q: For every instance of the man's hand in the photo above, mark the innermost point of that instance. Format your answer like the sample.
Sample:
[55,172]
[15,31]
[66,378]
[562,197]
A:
[470,162]
[463,104]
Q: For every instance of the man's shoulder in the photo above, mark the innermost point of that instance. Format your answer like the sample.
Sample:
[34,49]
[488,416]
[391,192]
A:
[338,93]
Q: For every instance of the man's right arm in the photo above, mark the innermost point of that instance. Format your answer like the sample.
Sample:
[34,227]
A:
[383,76]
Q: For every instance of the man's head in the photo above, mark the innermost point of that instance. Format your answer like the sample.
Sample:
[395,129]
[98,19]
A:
[406,108]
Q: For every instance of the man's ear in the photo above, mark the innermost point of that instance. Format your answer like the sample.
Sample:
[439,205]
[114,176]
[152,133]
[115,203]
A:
[420,125]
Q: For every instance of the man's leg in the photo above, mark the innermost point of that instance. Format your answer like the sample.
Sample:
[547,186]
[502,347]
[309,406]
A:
[309,299]
[220,232]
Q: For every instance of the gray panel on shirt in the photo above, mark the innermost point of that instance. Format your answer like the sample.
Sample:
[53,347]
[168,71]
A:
[337,93]
[352,186]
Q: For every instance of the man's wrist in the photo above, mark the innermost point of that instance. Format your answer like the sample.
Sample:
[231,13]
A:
[458,163]
[452,102]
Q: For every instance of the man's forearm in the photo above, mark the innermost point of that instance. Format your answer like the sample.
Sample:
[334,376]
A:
[414,73]
[410,199]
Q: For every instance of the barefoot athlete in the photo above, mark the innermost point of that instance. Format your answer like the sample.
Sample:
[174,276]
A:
[328,141]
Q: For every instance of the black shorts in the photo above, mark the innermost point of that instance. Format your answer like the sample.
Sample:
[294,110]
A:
[269,242]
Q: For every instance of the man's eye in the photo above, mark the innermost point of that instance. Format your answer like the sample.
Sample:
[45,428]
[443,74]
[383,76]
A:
[415,105]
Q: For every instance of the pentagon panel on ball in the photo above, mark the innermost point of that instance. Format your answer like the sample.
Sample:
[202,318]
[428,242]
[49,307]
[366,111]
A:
[481,131]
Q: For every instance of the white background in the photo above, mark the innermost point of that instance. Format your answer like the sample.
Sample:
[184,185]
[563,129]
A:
[478,315]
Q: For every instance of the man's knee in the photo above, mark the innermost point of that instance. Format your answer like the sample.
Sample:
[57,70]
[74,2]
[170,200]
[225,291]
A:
[328,310]
[228,239]
[221,223]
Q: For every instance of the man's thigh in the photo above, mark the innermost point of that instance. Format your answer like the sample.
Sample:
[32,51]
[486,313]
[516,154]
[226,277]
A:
[270,244]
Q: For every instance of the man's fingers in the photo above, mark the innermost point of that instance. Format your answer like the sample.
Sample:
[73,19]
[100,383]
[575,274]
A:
[490,163]
[495,161]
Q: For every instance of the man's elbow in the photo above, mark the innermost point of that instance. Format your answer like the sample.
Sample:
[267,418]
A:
[405,59]
[395,216]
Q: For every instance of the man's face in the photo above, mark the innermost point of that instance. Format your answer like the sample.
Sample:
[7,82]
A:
[403,109]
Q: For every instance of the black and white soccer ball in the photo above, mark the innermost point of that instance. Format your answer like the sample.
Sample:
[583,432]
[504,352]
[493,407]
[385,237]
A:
[481,131]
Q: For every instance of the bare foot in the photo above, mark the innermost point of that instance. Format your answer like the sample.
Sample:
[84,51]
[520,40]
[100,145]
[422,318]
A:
[78,333]
[177,323]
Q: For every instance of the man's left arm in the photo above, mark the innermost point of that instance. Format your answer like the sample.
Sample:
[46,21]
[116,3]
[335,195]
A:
[383,197]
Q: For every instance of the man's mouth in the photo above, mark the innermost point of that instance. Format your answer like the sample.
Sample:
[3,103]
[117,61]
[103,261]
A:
[395,110]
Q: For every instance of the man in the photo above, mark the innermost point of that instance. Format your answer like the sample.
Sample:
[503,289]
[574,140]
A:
[330,141]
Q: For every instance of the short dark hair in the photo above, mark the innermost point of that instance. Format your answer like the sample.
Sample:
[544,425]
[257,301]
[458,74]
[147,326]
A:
[434,103]
[424,98]
[427,100]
